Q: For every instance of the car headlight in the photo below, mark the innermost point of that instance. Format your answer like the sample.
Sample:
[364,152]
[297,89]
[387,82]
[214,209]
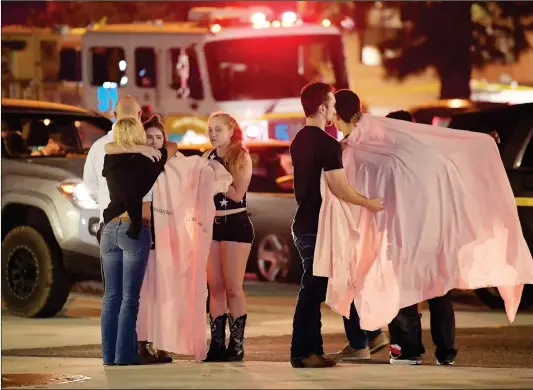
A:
[78,195]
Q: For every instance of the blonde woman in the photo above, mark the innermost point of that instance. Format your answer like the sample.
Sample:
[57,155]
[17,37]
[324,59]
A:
[233,235]
[126,237]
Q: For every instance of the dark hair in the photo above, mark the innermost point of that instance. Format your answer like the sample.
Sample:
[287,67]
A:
[401,115]
[347,105]
[313,95]
[155,121]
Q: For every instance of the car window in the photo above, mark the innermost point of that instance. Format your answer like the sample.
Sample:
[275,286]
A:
[41,135]
[88,133]
[268,165]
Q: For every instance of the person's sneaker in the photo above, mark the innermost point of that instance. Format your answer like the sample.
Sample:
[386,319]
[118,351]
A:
[447,362]
[396,358]
[312,361]
[378,343]
[349,354]
[401,360]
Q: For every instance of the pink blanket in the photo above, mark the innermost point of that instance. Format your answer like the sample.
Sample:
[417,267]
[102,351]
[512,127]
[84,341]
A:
[173,296]
[450,221]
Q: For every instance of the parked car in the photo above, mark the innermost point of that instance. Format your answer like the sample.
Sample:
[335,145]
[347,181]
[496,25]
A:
[514,125]
[49,222]
[439,112]
[271,206]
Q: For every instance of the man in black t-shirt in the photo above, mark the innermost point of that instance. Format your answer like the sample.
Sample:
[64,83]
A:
[313,151]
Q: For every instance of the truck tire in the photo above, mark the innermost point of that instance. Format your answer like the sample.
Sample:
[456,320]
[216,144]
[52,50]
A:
[34,282]
[276,250]
[491,298]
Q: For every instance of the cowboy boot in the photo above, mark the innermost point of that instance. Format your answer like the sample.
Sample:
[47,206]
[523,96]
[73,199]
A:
[217,347]
[235,350]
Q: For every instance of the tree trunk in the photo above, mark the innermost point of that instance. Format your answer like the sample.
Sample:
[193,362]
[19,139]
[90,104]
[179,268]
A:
[455,80]
[454,38]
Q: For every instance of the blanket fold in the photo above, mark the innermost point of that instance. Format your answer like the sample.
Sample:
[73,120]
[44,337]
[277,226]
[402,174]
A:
[450,221]
[173,296]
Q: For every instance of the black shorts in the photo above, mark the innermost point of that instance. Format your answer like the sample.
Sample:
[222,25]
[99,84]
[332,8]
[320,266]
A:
[234,227]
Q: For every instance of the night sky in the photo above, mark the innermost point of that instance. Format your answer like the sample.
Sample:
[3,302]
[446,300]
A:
[17,12]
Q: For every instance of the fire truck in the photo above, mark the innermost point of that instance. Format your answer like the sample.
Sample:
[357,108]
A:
[249,62]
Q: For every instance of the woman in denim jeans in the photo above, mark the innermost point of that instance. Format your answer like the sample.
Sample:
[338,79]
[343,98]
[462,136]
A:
[126,238]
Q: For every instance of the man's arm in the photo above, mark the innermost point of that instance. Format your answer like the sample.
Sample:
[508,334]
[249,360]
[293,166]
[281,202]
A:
[339,186]
[90,174]
[335,175]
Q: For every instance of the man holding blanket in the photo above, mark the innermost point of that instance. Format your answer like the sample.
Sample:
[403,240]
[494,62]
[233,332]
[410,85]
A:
[313,151]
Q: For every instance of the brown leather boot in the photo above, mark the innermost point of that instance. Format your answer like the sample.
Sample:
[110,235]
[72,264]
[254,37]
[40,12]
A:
[163,356]
[312,361]
[145,357]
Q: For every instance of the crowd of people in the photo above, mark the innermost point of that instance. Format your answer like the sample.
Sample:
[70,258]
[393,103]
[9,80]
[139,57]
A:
[122,171]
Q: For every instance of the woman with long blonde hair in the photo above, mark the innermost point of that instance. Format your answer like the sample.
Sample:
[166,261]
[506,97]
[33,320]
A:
[233,235]
[126,237]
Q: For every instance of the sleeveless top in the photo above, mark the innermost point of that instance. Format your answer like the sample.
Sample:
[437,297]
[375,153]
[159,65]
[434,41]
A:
[221,201]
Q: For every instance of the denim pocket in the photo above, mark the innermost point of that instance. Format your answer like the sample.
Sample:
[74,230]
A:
[105,242]
[127,244]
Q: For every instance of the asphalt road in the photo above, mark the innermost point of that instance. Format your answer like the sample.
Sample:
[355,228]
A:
[484,337]
[508,347]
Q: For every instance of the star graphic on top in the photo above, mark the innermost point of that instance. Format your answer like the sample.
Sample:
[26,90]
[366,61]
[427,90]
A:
[224,202]
[212,157]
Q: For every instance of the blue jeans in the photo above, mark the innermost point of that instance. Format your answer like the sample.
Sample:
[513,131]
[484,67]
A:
[307,322]
[357,338]
[124,263]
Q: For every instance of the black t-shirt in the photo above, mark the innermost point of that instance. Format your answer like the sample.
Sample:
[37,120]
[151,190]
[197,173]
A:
[312,151]
[129,178]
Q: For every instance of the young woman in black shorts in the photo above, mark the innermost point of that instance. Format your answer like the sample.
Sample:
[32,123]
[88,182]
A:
[233,235]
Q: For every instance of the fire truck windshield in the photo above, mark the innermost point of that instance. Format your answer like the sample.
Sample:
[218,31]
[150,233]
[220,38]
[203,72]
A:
[273,67]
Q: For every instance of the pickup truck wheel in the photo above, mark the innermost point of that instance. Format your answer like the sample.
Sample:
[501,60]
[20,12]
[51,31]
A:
[34,283]
[277,260]
[491,297]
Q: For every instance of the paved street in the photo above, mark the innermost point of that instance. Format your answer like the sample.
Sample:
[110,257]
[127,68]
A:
[47,352]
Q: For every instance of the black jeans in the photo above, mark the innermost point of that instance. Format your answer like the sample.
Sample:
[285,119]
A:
[306,325]
[357,338]
[406,330]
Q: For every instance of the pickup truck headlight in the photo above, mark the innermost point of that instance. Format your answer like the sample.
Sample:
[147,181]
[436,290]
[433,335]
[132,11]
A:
[78,195]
